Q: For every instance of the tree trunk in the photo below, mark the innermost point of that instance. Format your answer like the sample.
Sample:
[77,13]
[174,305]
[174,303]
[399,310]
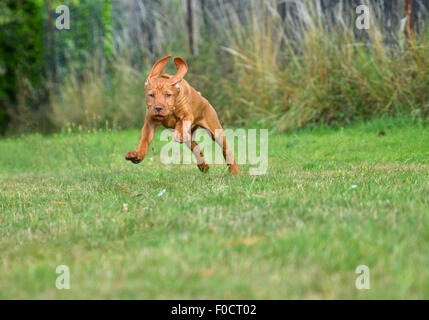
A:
[206,19]
[51,41]
[281,9]
[409,13]
[189,22]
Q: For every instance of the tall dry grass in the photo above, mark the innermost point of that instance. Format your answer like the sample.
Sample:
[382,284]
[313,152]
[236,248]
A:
[95,98]
[109,91]
[304,68]
[310,67]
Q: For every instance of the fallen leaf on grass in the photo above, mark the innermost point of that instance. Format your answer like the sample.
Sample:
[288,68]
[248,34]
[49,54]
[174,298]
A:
[244,241]
[206,272]
[136,194]
[59,202]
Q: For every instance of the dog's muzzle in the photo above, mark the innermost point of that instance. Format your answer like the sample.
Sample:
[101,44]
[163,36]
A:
[158,111]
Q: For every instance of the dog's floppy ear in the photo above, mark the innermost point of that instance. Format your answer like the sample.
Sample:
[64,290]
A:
[182,68]
[158,67]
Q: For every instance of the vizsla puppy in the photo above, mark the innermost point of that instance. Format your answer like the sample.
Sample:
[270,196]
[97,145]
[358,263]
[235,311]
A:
[173,103]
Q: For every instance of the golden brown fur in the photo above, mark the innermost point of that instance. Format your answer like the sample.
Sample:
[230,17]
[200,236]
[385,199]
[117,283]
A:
[173,103]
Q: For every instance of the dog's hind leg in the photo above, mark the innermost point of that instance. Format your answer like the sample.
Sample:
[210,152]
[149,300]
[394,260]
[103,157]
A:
[228,154]
[213,126]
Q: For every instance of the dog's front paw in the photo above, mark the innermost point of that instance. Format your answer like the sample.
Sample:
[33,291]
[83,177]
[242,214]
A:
[133,157]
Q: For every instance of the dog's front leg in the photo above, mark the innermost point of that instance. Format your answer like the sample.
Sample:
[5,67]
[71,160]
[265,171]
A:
[148,132]
[182,131]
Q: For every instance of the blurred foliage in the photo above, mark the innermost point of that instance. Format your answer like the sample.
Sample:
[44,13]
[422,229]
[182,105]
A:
[21,49]
[281,64]
[89,37]
[35,57]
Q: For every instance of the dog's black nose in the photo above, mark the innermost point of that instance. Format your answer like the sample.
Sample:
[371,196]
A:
[158,108]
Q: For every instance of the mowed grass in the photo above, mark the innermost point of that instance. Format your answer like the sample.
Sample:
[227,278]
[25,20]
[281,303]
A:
[299,231]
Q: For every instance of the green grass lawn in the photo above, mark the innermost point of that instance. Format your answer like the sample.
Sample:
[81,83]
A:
[299,231]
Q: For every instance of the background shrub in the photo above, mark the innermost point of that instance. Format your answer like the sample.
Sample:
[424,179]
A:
[283,64]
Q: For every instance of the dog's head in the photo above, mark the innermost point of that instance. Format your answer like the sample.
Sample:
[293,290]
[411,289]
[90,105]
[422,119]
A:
[162,90]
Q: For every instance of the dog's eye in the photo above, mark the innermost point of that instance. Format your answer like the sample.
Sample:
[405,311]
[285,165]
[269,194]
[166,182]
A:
[168,95]
[151,95]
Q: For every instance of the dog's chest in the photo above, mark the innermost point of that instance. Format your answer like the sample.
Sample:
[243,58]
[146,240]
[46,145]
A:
[170,122]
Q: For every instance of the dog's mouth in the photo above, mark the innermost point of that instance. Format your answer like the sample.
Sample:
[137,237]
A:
[159,115]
